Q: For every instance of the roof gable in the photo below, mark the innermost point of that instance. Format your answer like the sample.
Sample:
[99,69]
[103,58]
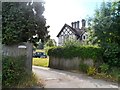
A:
[77,32]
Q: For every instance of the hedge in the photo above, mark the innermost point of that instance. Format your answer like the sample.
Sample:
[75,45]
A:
[83,52]
[13,70]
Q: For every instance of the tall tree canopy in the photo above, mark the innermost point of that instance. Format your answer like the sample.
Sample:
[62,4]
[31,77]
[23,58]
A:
[22,20]
[105,27]
[106,24]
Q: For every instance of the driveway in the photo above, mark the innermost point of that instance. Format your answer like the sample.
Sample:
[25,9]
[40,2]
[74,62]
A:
[54,78]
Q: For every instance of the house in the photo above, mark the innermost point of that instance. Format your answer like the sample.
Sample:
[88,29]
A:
[72,32]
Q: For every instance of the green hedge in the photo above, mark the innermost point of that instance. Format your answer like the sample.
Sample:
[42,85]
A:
[111,55]
[83,52]
[13,70]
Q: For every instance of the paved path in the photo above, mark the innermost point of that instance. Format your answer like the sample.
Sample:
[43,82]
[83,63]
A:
[62,79]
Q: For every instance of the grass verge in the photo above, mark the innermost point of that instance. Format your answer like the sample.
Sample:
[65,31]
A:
[30,80]
[41,62]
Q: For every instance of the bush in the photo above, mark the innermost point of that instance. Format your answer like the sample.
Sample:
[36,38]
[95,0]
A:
[119,79]
[70,43]
[30,80]
[13,70]
[104,68]
[83,67]
[91,71]
[111,55]
[114,72]
[47,49]
[104,76]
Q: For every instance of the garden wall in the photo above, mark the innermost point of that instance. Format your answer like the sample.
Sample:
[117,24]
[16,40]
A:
[22,49]
[68,64]
[74,57]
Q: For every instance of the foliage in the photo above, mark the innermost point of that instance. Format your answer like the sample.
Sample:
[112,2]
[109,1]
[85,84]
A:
[105,31]
[30,81]
[40,45]
[104,68]
[105,76]
[21,21]
[70,43]
[109,74]
[105,24]
[34,48]
[47,49]
[76,51]
[119,79]
[0,77]
[91,71]
[83,67]
[13,70]
[111,55]
[114,72]
[50,43]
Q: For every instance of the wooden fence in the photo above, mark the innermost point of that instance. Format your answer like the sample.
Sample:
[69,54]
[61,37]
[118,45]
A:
[24,48]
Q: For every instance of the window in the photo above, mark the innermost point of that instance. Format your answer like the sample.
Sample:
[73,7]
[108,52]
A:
[84,36]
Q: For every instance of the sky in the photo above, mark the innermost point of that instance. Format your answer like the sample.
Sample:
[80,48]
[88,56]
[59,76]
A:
[59,12]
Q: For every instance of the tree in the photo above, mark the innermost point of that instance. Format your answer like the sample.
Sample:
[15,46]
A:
[50,43]
[105,24]
[40,45]
[21,21]
[106,31]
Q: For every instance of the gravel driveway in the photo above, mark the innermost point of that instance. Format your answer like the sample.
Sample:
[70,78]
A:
[54,78]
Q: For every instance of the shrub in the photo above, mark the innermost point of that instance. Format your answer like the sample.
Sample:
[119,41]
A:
[111,55]
[13,70]
[104,76]
[70,43]
[83,67]
[114,71]
[119,79]
[30,80]
[47,49]
[91,71]
[104,68]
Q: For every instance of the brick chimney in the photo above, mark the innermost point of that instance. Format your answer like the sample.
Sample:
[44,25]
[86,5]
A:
[77,25]
[83,23]
[72,24]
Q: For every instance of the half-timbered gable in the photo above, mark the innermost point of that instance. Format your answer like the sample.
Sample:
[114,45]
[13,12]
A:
[68,33]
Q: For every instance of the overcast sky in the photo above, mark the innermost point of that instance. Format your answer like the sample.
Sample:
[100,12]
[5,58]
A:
[59,12]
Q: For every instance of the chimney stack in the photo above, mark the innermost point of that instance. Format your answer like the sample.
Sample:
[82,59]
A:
[72,24]
[83,23]
[77,24]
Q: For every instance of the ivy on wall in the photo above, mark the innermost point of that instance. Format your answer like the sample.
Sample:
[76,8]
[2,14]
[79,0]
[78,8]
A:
[83,52]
